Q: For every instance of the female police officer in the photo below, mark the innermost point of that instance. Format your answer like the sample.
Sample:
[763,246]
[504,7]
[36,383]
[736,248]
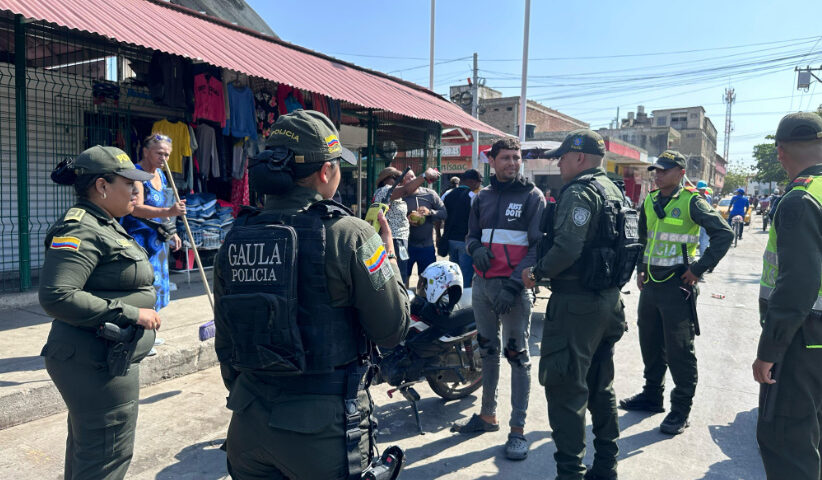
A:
[94,273]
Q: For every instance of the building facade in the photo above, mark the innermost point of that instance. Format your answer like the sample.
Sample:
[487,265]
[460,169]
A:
[687,130]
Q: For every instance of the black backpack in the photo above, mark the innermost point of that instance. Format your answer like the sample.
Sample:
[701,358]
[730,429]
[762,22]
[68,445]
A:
[611,259]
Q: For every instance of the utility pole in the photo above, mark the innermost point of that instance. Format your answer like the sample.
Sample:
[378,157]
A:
[729,99]
[524,91]
[475,114]
[523,101]
[431,53]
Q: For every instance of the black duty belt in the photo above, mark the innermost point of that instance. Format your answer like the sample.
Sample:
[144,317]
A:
[569,286]
[333,383]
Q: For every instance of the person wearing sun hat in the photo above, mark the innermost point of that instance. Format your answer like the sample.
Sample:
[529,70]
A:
[94,273]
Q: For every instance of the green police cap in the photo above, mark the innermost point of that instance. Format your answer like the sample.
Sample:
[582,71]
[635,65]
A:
[797,127]
[102,160]
[669,159]
[583,141]
[310,135]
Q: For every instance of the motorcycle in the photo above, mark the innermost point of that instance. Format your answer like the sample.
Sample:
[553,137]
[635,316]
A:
[441,347]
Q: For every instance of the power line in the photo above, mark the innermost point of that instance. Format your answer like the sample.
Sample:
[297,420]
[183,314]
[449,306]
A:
[651,53]
[427,65]
[690,63]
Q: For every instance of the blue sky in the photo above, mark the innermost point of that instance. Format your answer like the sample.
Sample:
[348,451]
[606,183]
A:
[586,58]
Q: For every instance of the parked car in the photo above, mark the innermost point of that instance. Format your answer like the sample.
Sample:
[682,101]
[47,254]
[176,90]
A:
[725,204]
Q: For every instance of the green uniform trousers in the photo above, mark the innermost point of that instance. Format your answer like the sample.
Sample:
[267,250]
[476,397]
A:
[577,369]
[277,435]
[666,339]
[102,412]
[789,439]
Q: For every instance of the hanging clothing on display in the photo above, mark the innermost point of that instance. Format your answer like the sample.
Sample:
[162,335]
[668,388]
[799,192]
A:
[241,122]
[209,103]
[239,192]
[319,104]
[334,112]
[266,110]
[239,160]
[185,180]
[180,142]
[169,80]
[289,99]
[207,155]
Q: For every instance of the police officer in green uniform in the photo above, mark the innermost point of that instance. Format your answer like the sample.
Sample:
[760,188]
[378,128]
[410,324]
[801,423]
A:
[790,346]
[583,321]
[670,219]
[295,313]
[95,273]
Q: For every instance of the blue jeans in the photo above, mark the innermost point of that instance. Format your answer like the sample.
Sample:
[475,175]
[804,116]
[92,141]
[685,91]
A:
[422,256]
[458,255]
[402,264]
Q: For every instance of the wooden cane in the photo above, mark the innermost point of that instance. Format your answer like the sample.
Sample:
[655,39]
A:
[190,237]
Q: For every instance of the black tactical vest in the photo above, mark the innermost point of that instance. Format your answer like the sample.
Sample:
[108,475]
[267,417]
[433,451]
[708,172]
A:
[611,257]
[276,300]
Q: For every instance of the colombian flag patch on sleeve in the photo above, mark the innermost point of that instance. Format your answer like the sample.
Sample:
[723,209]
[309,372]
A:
[374,258]
[69,243]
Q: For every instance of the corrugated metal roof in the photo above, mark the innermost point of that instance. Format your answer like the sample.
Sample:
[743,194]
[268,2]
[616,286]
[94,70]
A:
[179,31]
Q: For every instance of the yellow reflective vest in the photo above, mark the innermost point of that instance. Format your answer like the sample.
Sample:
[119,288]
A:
[663,246]
[770,262]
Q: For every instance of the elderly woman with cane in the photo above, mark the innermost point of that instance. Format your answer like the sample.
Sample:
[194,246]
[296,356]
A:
[152,221]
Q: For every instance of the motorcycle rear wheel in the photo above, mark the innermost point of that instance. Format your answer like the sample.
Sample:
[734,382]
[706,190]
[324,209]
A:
[446,385]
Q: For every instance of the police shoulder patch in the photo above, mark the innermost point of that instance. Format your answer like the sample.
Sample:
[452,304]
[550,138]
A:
[580,216]
[65,243]
[373,256]
[74,215]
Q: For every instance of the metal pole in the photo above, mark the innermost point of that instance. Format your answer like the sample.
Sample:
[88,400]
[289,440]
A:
[439,156]
[523,94]
[425,155]
[359,182]
[431,54]
[21,117]
[372,152]
[475,114]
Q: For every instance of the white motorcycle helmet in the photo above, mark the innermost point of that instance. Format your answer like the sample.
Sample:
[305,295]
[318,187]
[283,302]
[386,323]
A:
[441,284]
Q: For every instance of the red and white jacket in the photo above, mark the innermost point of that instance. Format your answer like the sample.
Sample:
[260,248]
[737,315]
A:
[505,218]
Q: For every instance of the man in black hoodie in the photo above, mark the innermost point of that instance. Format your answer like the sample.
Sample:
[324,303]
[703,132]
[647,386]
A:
[503,233]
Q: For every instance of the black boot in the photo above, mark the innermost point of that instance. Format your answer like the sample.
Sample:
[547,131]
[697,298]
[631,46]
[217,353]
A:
[643,402]
[590,475]
[674,423]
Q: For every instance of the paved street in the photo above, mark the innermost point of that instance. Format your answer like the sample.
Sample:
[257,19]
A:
[183,421]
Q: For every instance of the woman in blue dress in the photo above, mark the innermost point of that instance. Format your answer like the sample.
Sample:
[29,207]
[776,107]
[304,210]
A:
[155,201]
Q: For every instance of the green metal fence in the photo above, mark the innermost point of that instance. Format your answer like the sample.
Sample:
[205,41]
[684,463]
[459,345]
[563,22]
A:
[49,111]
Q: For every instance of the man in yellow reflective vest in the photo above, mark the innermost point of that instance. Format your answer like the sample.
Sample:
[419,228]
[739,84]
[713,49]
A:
[790,347]
[669,221]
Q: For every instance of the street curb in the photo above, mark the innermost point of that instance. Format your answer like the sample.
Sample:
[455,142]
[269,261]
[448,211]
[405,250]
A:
[18,300]
[38,402]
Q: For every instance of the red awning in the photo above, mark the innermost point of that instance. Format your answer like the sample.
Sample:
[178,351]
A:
[177,30]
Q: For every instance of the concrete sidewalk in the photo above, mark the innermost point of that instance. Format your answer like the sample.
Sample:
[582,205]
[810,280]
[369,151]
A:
[27,393]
